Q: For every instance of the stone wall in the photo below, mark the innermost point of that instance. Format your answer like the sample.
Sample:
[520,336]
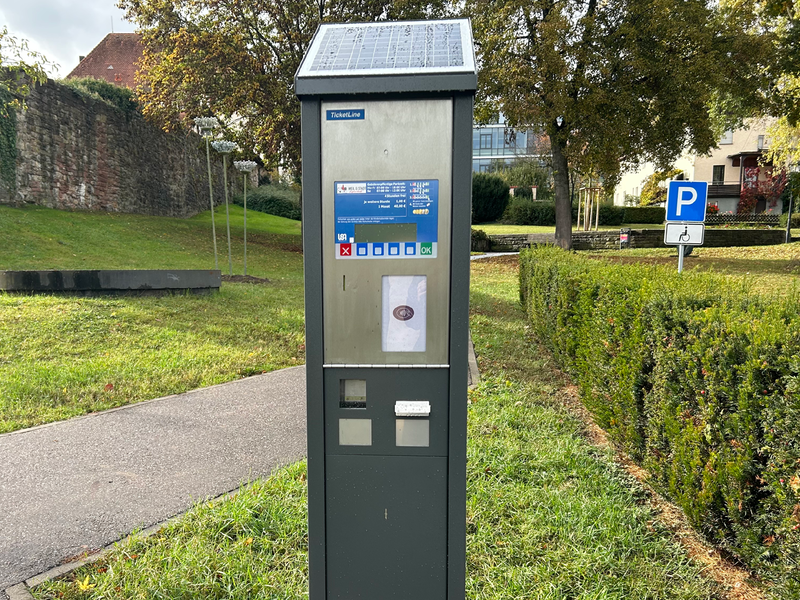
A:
[639,238]
[78,153]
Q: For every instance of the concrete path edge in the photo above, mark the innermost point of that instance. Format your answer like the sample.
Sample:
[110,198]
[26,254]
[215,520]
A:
[22,591]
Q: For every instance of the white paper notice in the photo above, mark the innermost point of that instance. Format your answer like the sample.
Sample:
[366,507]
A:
[404,313]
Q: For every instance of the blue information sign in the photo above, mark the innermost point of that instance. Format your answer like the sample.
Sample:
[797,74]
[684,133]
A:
[686,201]
[386,219]
[350,114]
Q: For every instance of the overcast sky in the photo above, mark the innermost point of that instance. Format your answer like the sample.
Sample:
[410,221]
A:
[62,30]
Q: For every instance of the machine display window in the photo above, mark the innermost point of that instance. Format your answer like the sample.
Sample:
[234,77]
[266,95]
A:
[386,232]
[352,393]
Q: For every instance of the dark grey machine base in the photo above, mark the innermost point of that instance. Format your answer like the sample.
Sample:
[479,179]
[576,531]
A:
[91,283]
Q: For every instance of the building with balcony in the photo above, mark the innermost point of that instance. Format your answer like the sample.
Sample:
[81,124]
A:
[496,145]
[737,163]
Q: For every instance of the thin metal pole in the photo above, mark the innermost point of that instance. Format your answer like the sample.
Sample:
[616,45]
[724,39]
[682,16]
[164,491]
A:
[245,223]
[789,219]
[211,198]
[680,258]
[227,213]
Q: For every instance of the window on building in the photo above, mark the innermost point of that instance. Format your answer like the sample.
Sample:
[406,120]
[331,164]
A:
[718,178]
[761,142]
[486,141]
[727,137]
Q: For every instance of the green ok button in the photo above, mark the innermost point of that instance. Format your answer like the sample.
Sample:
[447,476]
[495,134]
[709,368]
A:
[426,249]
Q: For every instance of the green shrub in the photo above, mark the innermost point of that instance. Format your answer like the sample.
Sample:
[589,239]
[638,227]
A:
[795,220]
[120,98]
[480,241]
[524,174]
[698,380]
[8,142]
[611,215]
[524,211]
[645,214]
[489,197]
[273,199]
[523,192]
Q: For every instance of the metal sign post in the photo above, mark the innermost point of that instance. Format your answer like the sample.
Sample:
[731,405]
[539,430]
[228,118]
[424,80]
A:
[387,180]
[686,213]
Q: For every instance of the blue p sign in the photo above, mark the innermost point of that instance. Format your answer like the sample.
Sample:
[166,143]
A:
[686,201]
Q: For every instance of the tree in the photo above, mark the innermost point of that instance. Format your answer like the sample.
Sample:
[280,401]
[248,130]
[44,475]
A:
[525,174]
[652,192]
[768,190]
[20,68]
[612,84]
[236,60]
[777,93]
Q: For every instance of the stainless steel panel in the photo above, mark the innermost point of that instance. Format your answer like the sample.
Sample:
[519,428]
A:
[355,432]
[408,139]
[412,433]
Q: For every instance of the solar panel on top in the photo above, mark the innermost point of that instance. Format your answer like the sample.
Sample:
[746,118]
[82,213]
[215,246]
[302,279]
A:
[388,48]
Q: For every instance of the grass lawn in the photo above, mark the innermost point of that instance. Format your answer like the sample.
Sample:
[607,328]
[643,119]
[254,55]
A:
[549,515]
[500,228]
[62,356]
[769,269]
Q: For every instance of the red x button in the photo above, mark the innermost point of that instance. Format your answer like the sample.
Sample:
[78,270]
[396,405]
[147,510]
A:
[344,249]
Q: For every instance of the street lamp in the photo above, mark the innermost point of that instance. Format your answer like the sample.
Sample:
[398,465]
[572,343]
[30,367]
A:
[245,166]
[207,125]
[224,147]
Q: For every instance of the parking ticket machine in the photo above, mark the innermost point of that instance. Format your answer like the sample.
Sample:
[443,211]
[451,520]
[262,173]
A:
[387,178]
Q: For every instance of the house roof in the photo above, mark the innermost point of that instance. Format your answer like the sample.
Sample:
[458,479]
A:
[114,60]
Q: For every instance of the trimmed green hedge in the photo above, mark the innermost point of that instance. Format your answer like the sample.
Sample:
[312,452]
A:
[489,197]
[698,380]
[795,220]
[524,211]
[654,215]
[273,199]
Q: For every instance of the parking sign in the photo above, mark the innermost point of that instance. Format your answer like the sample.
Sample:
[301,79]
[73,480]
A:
[686,201]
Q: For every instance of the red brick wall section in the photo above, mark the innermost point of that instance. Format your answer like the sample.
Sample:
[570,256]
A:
[114,60]
[76,153]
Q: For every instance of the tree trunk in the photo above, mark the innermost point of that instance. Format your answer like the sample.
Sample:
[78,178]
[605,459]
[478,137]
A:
[563,201]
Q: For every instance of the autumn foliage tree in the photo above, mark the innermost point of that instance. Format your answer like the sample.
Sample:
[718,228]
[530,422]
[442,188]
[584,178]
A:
[767,190]
[613,84]
[236,60]
[652,190]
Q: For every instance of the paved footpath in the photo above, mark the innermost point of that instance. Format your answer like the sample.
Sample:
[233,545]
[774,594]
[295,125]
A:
[87,482]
